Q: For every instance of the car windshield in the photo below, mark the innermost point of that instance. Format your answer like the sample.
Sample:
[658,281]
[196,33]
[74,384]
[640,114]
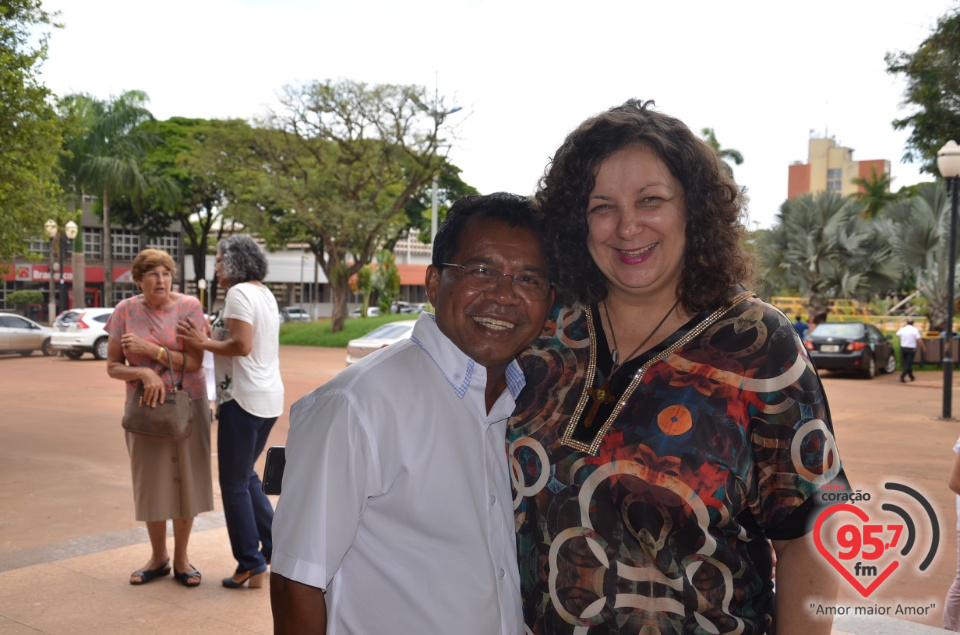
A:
[838,330]
[388,331]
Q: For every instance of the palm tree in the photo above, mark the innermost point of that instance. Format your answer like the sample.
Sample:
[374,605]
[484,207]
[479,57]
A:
[725,154]
[919,229]
[821,246]
[875,192]
[104,156]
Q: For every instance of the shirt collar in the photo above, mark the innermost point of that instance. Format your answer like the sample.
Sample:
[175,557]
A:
[458,368]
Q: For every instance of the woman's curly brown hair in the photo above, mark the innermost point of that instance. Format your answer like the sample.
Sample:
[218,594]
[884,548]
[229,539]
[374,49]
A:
[714,259]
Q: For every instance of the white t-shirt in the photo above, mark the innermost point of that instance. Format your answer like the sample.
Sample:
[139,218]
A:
[396,495]
[909,336]
[253,381]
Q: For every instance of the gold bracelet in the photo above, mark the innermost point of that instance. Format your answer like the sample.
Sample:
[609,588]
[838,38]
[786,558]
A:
[160,354]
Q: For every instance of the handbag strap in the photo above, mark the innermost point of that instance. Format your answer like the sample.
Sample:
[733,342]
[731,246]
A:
[178,384]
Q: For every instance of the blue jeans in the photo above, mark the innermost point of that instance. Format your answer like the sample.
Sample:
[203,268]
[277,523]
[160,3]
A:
[241,438]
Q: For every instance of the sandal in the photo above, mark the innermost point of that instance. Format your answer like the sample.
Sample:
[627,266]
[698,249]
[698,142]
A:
[187,579]
[147,575]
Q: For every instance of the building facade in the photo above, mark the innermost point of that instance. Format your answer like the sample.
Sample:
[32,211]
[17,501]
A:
[831,168]
[293,273]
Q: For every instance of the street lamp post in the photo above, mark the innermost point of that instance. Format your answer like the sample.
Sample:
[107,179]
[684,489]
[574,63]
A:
[438,117]
[50,227]
[202,287]
[948,162]
[70,232]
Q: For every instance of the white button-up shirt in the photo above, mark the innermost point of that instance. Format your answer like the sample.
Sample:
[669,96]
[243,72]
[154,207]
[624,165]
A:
[395,496]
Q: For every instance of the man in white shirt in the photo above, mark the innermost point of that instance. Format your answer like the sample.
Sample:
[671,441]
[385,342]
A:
[395,514]
[910,339]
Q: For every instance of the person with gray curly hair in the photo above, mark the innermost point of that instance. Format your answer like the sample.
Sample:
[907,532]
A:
[245,344]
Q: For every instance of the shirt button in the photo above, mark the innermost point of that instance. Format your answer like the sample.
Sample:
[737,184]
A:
[173,459]
[502,573]
[493,500]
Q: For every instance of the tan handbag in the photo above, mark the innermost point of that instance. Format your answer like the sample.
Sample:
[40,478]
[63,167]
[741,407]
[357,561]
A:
[170,419]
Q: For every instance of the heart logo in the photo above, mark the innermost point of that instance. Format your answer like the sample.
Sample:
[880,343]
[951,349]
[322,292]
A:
[817,539]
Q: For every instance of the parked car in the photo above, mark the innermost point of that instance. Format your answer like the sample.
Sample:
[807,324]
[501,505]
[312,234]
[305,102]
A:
[294,314]
[85,335]
[373,311]
[853,346]
[378,338]
[67,317]
[404,307]
[22,335]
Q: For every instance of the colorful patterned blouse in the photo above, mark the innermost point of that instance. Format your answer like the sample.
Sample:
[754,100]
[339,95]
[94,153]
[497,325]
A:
[647,507]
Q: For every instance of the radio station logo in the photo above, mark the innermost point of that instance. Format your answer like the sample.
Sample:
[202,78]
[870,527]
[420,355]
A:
[865,545]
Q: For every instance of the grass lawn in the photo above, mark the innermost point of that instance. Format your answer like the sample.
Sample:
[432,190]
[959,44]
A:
[318,333]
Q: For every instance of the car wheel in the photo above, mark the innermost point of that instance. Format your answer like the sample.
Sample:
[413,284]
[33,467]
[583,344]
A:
[891,366]
[73,354]
[100,348]
[870,368]
[47,349]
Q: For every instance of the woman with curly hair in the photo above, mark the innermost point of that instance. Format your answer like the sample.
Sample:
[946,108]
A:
[245,345]
[672,424]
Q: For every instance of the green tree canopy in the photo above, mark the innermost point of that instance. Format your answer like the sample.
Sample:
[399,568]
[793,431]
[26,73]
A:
[874,192]
[932,73]
[204,160]
[104,154]
[30,130]
[918,227]
[726,154]
[338,167]
[821,246]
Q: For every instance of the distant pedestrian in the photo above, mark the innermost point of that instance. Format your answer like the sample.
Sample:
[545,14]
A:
[910,339]
[801,326]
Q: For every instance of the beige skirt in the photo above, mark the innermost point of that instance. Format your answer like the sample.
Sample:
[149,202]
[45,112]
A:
[172,479]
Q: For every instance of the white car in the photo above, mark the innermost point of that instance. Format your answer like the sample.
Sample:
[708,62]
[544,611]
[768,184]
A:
[372,311]
[294,314]
[378,338]
[85,335]
[22,335]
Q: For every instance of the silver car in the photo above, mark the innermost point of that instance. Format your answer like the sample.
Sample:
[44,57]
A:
[21,335]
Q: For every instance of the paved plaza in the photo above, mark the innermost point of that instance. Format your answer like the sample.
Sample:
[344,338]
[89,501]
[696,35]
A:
[68,540]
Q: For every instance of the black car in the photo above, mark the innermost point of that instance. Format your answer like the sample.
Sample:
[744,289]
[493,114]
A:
[853,346]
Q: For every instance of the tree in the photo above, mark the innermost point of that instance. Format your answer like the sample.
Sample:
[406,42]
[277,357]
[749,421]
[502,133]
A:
[726,154]
[104,157]
[821,246]
[932,73]
[386,279]
[450,188]
[30,132]
[874,192]
[204,162]
[346,162]
[362,283]
[919,230]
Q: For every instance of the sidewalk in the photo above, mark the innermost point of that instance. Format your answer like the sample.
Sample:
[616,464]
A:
[68,541]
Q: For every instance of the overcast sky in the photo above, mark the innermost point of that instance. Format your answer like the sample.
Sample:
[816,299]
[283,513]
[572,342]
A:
[765,75]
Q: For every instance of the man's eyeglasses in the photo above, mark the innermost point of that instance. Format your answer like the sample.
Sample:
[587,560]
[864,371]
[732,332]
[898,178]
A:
[483,278]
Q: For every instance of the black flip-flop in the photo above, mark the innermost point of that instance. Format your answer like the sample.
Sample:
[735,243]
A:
[185,578]
[147,575]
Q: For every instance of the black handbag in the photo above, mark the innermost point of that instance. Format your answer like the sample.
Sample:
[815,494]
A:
[170,419]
